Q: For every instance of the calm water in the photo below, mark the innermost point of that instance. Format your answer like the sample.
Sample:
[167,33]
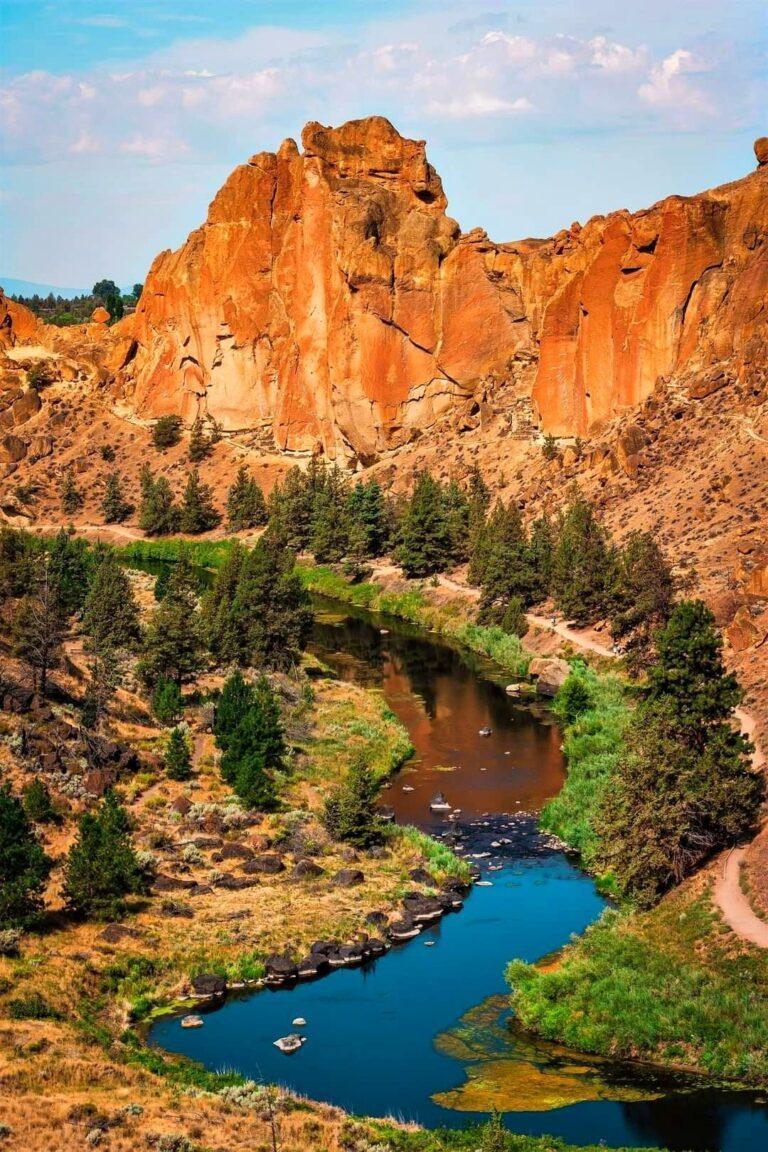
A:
[372,1032]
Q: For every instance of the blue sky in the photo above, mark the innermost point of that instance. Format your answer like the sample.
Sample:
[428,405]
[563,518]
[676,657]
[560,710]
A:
[118,121]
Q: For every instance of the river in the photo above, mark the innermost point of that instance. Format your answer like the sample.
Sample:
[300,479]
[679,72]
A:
[425,1033]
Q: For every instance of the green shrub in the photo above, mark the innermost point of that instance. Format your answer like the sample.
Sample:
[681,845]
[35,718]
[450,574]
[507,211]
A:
[167,432]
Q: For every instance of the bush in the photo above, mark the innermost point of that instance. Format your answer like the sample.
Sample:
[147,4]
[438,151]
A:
[32,1007]
[178,755]
[10,939]
[167,432]
[350,811]
[38,804]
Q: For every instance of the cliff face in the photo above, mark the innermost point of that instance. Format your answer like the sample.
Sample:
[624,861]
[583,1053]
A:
[330,298]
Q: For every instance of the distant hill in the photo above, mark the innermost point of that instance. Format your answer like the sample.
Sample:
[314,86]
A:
[15,287]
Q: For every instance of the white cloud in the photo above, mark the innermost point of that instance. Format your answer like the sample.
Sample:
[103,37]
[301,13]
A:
[476,104]
[154,147]
[668,84]
[616,57]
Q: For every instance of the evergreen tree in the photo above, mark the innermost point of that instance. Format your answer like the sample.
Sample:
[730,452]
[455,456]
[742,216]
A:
[256,749]
[158,513]
[38,804]
[101,868]
[24,866]
[671,805]
[199,444]
[582,565]
[494,1136]
[161,582]
[513,619]
[270,615]
[507,570]
[350,811]
[290,508]
[178,755]
[643,594]
[541,549]
[70,569]
[70,494]
[38,627]
[479,499]
[236,698]
[221,627]
[19,555]
[425,545]
[457,516]
[105,667]
[115,508]
[111,614]
[167,701]
[166,432]
[173,640]
[689,670]
[197,511]
[367,512]
[246,506]
[329,539]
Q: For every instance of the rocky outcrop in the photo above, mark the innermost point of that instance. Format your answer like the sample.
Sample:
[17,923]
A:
[331,303]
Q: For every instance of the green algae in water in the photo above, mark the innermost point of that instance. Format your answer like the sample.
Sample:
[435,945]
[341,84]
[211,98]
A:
[507,1071]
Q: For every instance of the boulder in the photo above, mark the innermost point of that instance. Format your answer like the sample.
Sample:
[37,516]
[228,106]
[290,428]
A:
[100,315]
[348,878]
[422,909]
[402,930]
[40,447]
[549,672]
[761,150]
[267,864]
[421,876]
[181,805]
[27,406]
[208,986]
[236,851]
[306,870]
[279,969]
[377,919]
[744,631]
[12,450]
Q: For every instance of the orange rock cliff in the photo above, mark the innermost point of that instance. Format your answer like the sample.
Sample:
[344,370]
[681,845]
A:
[330,299]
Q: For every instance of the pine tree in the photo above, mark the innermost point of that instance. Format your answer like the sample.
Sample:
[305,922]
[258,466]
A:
[246,506]
[290,507]
[105,668]
[197,511]
[158,513]
[270,617]
[582,565]
[513,619]
[643,594]
[457,515]
[173,640]
[350,812]
[236,698]
[115,508]
[167,432]
[70,570]
[19,555]
[689,670]
[507,570]
[541,549]
[167,701]
[367,512]
[425,545]
[256,749]
[38,805]
[38,627]
[479,499]
[102,868]
[220,625]
[329,539]
[111,614]
[24,866]
[199,444]
[178,755]
[71,496]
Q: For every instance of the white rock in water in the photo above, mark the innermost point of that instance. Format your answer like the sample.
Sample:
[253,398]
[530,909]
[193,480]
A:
[290,1043]
[192,1022]
[299,1022]
[483,884]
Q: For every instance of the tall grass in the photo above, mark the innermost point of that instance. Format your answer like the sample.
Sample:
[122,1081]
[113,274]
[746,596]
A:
[440,860]
[411,605]
[592,746]
[666,986]
[202,553]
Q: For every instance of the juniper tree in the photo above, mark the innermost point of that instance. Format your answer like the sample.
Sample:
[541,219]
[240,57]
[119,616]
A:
[270,614]
[115,508]
[24,866]
[199,443]
[350,811]
[221,627]
[457,516]
[236,698]
[166,432]
[367,512]
[256,749]
[178,755]
[102,868]
[290,509]
[70,495]
[541,549]
[70,568]
[246,506]
[507,569]
[329,536]
[39,626]
[643,594]
[38,804]
[167,701]
[198,513]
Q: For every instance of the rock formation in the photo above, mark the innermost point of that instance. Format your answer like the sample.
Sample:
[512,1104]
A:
[329,297]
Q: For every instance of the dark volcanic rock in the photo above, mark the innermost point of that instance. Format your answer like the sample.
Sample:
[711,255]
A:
[348,878]
[280,968]
[268,864]
[306,870]
[208,985]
